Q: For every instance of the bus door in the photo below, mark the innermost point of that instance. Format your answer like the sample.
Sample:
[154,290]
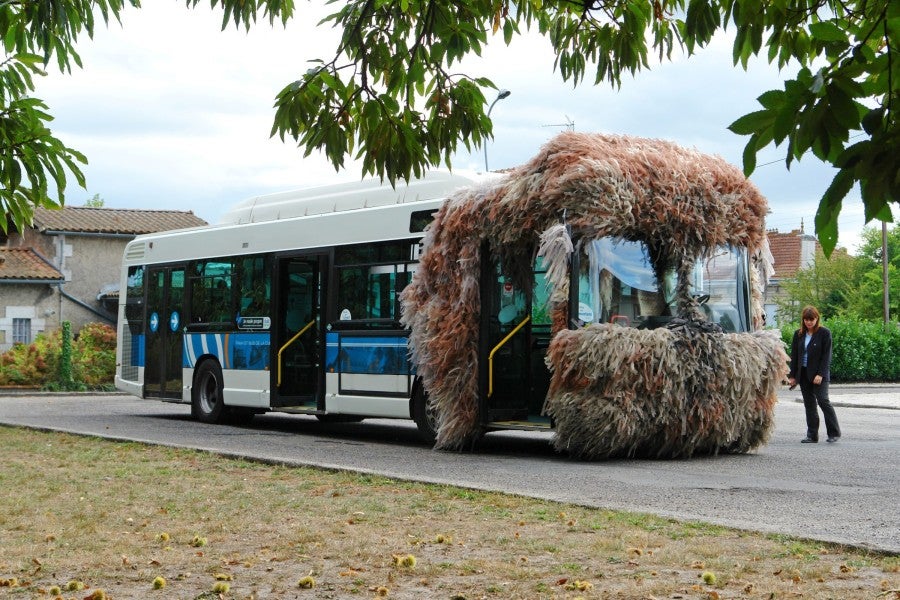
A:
[298,349]
[515,334]
[163,367]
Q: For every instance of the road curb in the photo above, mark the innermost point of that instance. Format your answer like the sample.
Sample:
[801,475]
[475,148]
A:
[841,404]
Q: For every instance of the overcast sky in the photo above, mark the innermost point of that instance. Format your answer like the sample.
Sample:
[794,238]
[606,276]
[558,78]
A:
[173,113]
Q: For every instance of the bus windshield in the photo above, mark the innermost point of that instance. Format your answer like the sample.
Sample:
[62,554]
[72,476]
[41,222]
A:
[620,287]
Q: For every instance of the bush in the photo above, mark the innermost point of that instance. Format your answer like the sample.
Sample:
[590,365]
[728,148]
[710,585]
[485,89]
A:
[862,350]
[94,355]
[33,364]
[37,364]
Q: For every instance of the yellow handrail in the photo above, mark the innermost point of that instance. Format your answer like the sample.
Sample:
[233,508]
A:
[494,351]
[288,343]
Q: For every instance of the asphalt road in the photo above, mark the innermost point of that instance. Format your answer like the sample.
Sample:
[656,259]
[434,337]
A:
[845,492]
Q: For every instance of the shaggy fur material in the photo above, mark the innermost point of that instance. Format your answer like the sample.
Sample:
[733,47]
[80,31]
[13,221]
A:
[680,203]
[662,393]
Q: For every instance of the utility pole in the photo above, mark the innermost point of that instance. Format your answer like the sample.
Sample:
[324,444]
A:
[501,95]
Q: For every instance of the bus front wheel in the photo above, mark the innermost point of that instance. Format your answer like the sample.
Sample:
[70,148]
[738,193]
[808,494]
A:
[423,414]
[207,404]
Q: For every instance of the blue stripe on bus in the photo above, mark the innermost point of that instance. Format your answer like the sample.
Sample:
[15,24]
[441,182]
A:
[246,351]
[373,355]
[137,350]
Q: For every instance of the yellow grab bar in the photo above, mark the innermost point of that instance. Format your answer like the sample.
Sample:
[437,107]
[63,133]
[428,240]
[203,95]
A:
[494,351]
[289,342]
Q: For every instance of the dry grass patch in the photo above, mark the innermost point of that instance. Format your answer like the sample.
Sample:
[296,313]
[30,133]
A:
[134,521]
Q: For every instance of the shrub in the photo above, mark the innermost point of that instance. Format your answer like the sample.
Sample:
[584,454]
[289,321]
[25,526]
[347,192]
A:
[862,350]
[94,359]
[38,364]
[31,364]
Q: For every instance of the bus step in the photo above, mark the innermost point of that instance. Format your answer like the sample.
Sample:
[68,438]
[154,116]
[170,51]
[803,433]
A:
[300,410]
[531,424]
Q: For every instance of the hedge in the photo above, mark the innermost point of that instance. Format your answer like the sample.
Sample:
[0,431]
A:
[92,360]
[862,350]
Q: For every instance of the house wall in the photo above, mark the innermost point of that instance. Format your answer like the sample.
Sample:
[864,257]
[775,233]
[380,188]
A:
[89,263]
[808,246]
[37,302]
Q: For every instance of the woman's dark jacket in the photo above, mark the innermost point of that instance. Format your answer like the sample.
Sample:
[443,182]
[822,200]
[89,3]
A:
[818,360]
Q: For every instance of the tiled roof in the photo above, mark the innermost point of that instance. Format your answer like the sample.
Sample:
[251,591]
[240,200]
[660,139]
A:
[785,249]
[26,264]
[85,219]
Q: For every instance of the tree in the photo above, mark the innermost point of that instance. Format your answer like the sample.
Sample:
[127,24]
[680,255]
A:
[95,202]
[34,164]
[827,284]
[848,286]
[389,95]
[30,156]
[867,301]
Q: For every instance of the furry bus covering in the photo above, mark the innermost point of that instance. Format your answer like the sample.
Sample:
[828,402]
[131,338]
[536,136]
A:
[614,390]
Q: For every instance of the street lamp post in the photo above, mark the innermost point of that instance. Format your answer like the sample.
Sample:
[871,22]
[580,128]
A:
[502,94]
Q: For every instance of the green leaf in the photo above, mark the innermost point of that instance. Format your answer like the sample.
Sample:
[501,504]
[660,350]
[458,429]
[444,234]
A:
[872,121]
[773,99]
[826,31]
[750,155]
[842,107]
[752,122]
[830,208]
[508,31]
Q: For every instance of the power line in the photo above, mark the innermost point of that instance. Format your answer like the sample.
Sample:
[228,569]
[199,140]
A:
[778,160]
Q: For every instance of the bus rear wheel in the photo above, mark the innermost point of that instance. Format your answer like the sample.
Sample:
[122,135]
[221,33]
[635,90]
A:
[207,398]
[424,414]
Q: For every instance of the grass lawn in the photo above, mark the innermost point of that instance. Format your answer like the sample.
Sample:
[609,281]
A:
[88,518]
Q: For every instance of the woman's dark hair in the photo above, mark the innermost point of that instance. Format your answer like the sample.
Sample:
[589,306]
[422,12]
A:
[810,312]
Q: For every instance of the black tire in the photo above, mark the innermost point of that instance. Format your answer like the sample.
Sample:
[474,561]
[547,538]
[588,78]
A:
[423,413]
[339,418]
[207,398]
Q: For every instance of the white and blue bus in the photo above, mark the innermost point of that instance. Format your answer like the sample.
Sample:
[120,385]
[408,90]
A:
[292,304]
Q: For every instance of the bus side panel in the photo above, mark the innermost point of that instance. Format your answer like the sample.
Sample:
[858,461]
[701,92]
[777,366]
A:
[369,406]
[130,376]
[244,360]
[233,350]
[135,388]
[368,373]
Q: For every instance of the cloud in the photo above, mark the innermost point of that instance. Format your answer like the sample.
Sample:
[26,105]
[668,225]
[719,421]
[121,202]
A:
[174,113]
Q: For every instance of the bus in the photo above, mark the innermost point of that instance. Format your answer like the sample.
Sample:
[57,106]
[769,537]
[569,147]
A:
[292,304]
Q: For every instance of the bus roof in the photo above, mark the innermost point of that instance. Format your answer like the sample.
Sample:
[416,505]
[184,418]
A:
[352,195]
[345,213]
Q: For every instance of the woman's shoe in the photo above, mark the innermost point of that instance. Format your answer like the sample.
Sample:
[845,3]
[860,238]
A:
[833,438]
[809,440]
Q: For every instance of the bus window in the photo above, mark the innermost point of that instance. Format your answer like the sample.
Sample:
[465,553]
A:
[540,305]
[621,287]
[370,278]
[134,299]
[718,280]
[255,286]
[371,292]
[211,297]
[132,342]
[420,219]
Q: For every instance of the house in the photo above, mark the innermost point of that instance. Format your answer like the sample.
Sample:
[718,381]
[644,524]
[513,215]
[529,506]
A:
[65,266]
[792,252]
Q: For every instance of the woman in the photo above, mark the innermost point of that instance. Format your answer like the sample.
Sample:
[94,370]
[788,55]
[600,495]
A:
[811,368]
